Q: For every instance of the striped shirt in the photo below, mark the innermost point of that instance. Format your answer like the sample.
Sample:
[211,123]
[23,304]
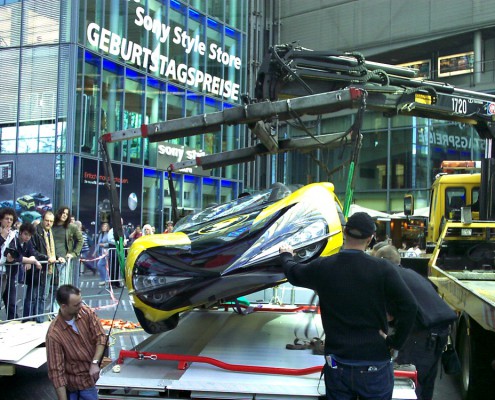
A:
[69,353]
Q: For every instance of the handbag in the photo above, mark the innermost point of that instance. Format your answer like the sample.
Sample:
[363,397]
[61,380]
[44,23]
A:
[450,360]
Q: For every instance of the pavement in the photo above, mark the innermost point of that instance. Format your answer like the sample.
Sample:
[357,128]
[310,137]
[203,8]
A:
[30,383]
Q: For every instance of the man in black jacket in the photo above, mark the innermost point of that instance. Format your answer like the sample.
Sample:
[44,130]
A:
[425,344]
[354,289]
[34,276]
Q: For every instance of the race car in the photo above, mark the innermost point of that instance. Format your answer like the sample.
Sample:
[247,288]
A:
[229,250]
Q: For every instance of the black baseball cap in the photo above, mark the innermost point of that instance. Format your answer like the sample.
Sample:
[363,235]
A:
[360,226]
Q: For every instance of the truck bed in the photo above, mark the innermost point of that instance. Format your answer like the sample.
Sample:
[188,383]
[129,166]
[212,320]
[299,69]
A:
[257,339]
[469,291]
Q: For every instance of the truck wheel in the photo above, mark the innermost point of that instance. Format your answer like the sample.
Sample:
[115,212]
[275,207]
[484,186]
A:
[475,350]
[152,327]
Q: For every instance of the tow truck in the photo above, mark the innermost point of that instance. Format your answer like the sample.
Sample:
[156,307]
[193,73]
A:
[294,82]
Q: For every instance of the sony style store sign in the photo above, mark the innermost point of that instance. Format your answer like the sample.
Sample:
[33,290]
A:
[172,153]
[155,59]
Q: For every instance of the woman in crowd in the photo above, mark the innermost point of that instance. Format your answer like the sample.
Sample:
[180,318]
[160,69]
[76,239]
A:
[68,243]
[101,251]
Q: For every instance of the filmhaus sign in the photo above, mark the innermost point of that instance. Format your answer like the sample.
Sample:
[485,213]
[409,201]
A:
[171,153]
[154,61]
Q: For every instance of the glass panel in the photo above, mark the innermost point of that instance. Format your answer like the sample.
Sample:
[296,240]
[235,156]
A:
[10,25]
[155,112]
[112,103]
[39,73]
[233,13]
[176,51]
[194,106]
[152,198]
[213,141]
[93,13]
[192,187]
[452,141]
[197,4]
[133,114]
[210,190]
[41,21]
[231,141]
[91,113]
[175,106]
[227,192]
[157,11]
[232,70]
[135,33]
[196,31]
[7,139]
[214,37]
[215,9]
[9,82]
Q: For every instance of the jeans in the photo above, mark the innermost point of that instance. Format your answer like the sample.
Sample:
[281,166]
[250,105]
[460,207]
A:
[102,269]
[348,382]
[85,394]
[34,302]
[9,291]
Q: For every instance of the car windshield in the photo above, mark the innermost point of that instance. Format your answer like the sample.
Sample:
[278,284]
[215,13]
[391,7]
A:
[275,193]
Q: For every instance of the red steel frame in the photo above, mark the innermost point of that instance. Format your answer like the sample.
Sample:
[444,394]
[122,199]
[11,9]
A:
[185,360]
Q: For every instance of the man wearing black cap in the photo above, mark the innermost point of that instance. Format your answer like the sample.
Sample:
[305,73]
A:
[354,289]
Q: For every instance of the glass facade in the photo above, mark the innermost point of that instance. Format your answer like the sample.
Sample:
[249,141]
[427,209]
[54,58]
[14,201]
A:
[74,70]
[398,156]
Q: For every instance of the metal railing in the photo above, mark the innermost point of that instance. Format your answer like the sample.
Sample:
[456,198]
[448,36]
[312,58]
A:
[28,293]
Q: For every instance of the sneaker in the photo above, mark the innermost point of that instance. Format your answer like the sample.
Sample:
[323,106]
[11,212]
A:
[102,283]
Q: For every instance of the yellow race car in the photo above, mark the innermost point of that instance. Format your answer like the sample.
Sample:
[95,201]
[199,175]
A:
[229,250]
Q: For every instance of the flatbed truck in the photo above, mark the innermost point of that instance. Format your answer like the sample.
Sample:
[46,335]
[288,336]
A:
[462,269]
[249,343]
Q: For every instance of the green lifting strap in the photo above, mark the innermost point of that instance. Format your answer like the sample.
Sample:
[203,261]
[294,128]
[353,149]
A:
[358,137]
[349,191]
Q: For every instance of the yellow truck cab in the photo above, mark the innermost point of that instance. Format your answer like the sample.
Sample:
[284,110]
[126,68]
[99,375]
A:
[450,192]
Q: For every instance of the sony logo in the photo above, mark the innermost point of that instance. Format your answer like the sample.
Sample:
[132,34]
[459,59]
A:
[179,152]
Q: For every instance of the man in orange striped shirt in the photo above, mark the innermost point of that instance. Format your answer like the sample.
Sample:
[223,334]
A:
[75,343]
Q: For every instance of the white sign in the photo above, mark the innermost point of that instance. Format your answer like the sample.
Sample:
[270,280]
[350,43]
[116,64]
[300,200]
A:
[171,153]
[152,59]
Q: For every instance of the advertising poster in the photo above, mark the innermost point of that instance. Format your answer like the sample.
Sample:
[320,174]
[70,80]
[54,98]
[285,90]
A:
[88,193]
[29,193]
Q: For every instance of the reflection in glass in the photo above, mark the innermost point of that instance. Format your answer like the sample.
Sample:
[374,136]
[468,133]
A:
[112,103]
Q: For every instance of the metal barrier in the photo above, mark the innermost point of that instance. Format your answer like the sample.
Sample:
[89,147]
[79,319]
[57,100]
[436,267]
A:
[105,265]
[30,294]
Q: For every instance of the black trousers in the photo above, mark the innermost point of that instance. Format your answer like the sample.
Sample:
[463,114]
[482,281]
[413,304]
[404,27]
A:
[423,348]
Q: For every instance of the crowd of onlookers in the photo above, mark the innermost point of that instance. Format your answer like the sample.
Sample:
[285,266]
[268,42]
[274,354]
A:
[54,251]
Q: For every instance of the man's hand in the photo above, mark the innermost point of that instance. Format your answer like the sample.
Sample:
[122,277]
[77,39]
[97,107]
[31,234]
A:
[94,371]
[286,248]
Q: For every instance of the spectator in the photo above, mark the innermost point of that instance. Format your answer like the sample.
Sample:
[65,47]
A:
[75,344]
[8,271]
[170,227]
[425,344]
[101,251]
[147,230]
[136,234]
[30,258]
[354,289]
[44,244]
[68,241]
[86,250]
